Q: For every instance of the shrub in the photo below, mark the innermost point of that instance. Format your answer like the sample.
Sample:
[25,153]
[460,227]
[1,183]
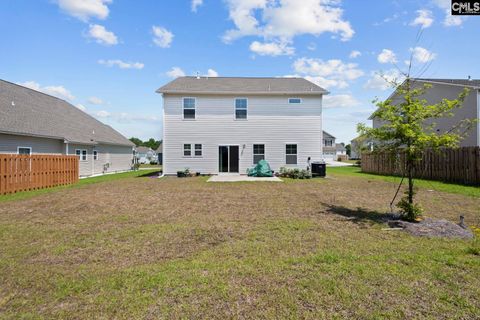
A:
[295,173]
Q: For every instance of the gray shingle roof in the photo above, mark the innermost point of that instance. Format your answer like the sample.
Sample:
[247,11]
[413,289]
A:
[239,85]
[28,112]
[143,149]
[462,82]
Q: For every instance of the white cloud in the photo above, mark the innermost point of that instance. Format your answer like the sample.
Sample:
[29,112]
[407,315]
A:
[95,100]
[102,114]
[175,72]
[102,35]
[212,73]
[384,80]
[196,4]
[339,101]
[162,37]
[331,73]
[271,48]
[57,91]
[449,20]
[282,20]
[121,64]
[355,54]
[312,46]
[422,55]
[424,19]
[387,56]
[81,107]
[85,9]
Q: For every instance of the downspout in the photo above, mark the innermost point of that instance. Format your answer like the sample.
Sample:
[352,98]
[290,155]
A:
[66,147]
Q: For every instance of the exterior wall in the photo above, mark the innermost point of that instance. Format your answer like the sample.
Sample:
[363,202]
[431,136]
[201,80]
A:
[469,110]
[271,121]
[9,144]
[119,158]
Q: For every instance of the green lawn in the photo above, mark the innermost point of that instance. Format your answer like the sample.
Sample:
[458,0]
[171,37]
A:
[129,247]
[426,184]
[80,183]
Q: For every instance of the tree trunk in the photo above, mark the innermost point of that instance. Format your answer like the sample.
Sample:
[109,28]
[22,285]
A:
[410,212]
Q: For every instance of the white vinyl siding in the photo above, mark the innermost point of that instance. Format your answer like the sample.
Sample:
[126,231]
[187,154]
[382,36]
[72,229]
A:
[270,118]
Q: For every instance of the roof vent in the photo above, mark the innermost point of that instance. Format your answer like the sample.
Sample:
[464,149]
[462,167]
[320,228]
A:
[469,78]
[13,103]
[198,75]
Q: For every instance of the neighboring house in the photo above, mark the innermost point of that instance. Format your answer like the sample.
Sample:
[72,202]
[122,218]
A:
[358,145]
[145,154]
[159,152]
[32,122]
[226,125]
[449,89]
[332,150]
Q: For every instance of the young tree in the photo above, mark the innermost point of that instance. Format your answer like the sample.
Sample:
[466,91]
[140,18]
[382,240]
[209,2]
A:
[136,141]
[409,125]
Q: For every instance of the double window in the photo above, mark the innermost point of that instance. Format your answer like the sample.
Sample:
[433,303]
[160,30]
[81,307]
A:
[81,154]
[241,107]
[328,143]
[24,150]
[189,105]
[187,150]
[291,154]
[258,153]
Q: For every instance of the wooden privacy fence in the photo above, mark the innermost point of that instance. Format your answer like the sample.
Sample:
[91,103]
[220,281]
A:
[24,172]
[460,165]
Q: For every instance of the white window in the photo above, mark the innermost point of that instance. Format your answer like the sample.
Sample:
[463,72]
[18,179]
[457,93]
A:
[198,150]
[189,105]
[294,100]
[291,154]
[24,150]
[258,153]
[95,155]
[241,106]
[81,154]
[187,150]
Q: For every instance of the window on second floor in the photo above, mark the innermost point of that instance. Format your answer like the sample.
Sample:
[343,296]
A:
[189,105]
[328,143]
[258,153]
[241,106]
[294,100]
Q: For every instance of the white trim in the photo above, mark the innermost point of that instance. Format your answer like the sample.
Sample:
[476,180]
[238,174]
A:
[183,150]
[296,154]
[288,100]
[195,150]
[29,148]
[194,108]
[235,109]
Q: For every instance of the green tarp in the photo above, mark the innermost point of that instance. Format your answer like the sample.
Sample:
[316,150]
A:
[262,169]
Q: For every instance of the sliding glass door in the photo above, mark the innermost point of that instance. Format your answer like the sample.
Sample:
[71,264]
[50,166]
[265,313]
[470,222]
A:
[228,158]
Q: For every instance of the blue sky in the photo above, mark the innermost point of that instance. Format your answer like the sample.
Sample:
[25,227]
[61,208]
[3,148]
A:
[108,57]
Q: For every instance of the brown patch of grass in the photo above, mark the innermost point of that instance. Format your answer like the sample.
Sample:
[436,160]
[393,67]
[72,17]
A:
[172,248]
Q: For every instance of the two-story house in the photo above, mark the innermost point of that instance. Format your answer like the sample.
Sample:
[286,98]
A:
[226,125]
[449,89]
[331,149]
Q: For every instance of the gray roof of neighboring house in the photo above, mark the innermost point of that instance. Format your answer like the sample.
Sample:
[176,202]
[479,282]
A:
[327,135]
[460,82]
[240,85]
[340,147]
[160,148]
[24,111]
[143,149]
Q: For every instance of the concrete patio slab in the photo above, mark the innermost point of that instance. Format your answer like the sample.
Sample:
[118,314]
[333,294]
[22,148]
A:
[239,178]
